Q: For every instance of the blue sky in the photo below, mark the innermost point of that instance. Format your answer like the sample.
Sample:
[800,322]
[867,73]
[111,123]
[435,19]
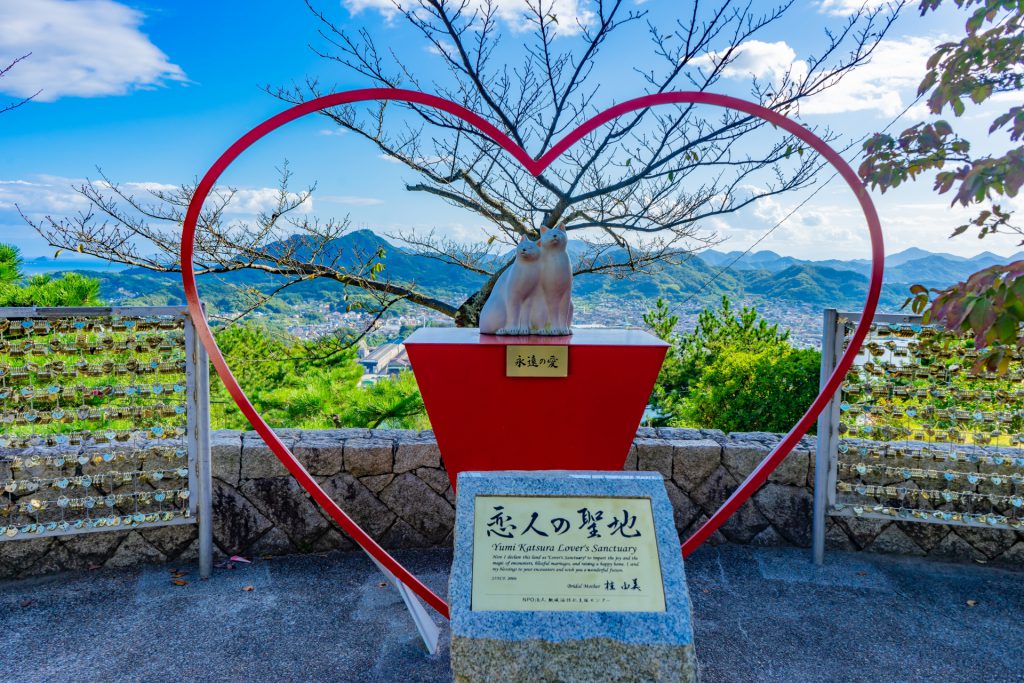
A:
[153,92]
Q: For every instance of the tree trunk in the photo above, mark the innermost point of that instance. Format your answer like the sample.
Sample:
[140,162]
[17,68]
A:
[468,314]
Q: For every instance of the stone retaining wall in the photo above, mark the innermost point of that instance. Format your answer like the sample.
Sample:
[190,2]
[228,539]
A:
[394,484]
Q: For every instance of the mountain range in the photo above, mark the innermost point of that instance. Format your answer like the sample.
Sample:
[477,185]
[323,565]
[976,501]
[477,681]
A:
[907,266]
[699,279]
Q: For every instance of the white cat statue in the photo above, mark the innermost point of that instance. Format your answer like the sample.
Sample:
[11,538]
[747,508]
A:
[508,308]
[552,311]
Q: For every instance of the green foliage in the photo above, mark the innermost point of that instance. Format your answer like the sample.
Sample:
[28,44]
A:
[70,289]
[10,264]
[292,384]
[766,391]
[986,61]
[311,385]
[724,328]
[670,387]
[734,371]
[990,304]
[389,403]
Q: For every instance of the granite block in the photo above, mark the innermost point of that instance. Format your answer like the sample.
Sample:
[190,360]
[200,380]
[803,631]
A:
[570,646]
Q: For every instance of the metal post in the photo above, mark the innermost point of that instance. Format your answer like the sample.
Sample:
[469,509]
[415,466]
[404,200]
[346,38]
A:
[205,465]
[426,627]
[838,343]
[822,459]
[197,372]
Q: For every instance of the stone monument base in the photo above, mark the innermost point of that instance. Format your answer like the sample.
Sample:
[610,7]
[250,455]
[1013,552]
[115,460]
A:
[573,661]
[537,599]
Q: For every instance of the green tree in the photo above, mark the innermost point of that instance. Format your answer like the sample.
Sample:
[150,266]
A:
[293,384]
[724,328]
[70,289]
[670,387]
[985,62]
[737,357]
[393,403]
[10,265]
[742,391]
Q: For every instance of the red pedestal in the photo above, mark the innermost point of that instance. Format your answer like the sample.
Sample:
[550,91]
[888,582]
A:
[484,420]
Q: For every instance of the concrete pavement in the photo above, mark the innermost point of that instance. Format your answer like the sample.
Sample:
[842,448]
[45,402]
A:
[762,614]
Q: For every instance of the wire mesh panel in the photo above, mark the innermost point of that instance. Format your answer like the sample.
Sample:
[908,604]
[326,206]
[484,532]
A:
[103,421]
[920,430]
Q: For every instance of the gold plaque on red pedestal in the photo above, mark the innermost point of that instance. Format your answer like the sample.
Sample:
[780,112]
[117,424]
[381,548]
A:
[565,553]
[536,361]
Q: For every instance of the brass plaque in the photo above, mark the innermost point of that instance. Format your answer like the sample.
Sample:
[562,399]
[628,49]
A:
[565,554]
[536,361]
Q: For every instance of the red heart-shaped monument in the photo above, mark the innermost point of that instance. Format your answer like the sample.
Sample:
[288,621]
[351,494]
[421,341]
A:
[535,167]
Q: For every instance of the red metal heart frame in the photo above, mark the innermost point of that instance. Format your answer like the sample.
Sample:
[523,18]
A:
[535,167]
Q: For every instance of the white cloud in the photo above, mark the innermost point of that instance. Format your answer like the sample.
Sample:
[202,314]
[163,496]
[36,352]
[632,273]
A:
[833,226]
[886,84]
[262,200]
[422,160]
[918,112]
[42,195]
[929,224]
[844,8]
[56,195]
[570,14]
[442,48]
[463,233]
[90,48]
[149,187]
[757,59]
[1015,204]
[805,224]
[333,132]
[350,200]
[385,7]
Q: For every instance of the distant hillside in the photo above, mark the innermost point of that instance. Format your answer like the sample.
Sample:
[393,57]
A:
[907,266]
[757,276]
[66,262]
[809,284]
[758,260]
[357,247]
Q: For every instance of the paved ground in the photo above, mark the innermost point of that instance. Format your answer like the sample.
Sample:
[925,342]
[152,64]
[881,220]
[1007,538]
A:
[761,615]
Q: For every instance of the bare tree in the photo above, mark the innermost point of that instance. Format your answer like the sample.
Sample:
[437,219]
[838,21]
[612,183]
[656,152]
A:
[3,72]
[638,191]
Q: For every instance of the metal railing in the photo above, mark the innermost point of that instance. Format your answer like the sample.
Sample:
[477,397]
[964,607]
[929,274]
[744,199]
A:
[104,423]
[919,431]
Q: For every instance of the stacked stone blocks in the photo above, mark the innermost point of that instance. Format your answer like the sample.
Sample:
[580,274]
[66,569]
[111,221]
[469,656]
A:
[393,483]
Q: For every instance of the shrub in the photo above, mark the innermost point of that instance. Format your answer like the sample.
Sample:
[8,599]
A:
[734,372]
[742,391]
[71,289]
[393,403]
[291,383]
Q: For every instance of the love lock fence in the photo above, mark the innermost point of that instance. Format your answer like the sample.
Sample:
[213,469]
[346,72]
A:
[919,431]
[104,423]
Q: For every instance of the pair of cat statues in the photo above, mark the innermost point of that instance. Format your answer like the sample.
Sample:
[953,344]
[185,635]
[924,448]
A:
[534,294]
